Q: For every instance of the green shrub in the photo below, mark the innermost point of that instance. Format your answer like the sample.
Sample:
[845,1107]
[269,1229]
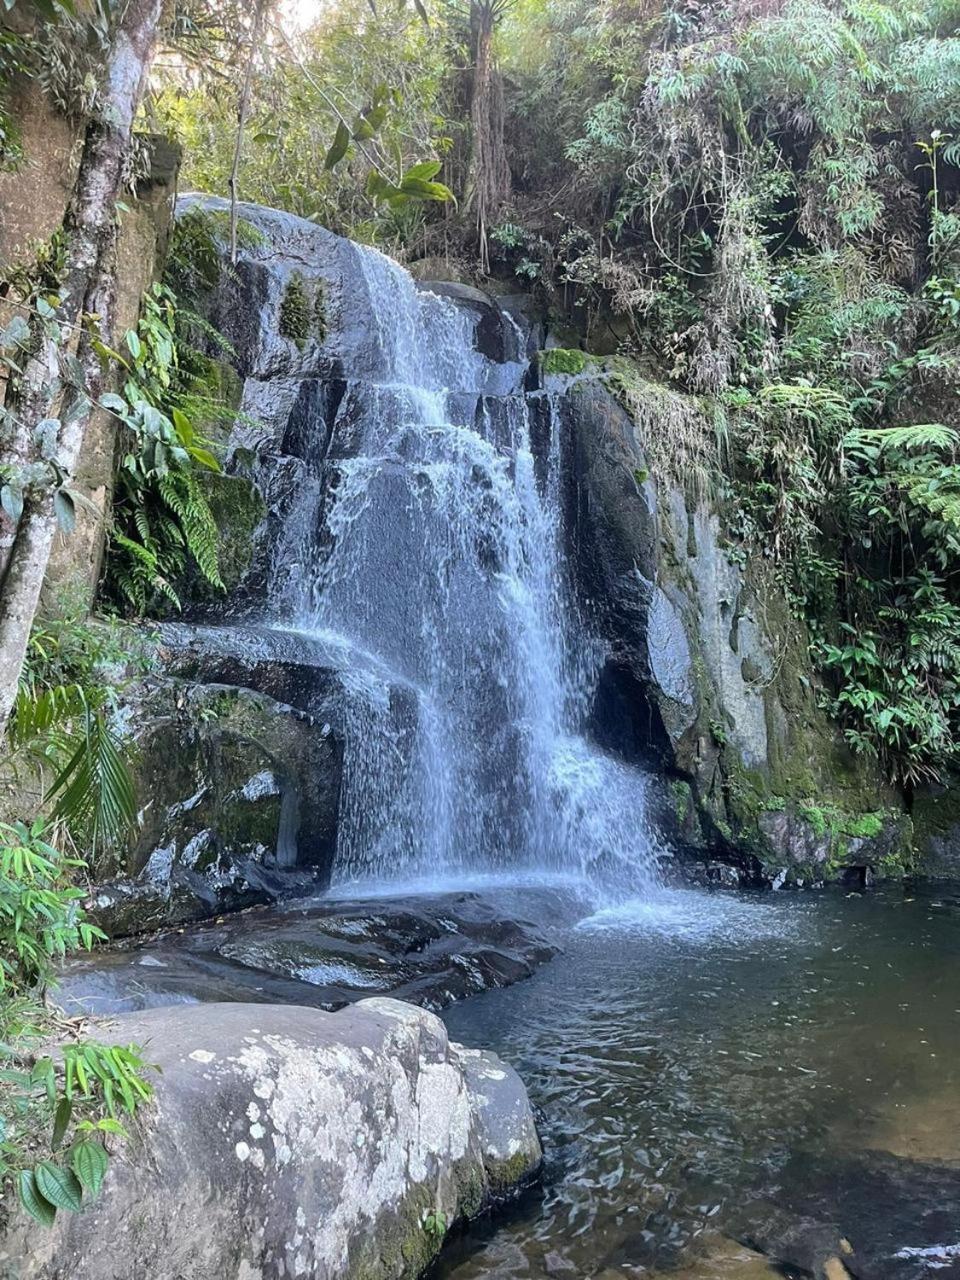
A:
[57,1112]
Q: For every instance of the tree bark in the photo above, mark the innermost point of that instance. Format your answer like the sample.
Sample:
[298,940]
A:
[488,178]
[86,289]
[243,110]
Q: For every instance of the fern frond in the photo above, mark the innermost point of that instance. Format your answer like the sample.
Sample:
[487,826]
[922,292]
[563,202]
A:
[924,435]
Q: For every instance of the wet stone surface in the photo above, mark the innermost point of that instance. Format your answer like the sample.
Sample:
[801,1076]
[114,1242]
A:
[430,950]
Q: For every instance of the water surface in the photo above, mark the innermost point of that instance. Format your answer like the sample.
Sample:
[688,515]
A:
[685,1047]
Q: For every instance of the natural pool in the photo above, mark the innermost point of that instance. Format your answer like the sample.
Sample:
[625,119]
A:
[709,1060]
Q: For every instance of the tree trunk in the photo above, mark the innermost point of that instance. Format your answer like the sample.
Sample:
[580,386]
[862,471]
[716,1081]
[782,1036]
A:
[86,289]
[243,109]
[488,179]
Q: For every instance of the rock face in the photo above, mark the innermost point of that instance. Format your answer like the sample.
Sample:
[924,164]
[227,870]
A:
[289,1142]
[710,672]
[239,761]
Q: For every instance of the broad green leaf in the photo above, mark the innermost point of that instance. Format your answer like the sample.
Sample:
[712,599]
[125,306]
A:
[204,457]
[184,427]
[424,171]
[338,148]
[134,344]
[35,1204]
[61,1121]
[420,190]
[59,1186]
[379,188]
[90,1163]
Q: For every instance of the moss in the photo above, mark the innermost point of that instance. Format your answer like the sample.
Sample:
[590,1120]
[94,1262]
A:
[682,798]
[866,826]
[295,316]
[403,1250]
[237,509]
[563,360]
[508,1176]
[320,312]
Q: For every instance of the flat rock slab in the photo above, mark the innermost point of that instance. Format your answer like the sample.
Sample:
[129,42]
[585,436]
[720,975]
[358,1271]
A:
[430,950]
[285,1142]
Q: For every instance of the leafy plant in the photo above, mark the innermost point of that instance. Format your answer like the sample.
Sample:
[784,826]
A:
[435,1224]
[162,519]
[62,730]
[57,1113]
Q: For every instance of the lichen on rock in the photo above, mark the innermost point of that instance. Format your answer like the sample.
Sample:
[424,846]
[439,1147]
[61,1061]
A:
[289,1142]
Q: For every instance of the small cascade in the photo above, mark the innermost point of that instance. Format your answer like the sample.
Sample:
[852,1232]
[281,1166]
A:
[428,549]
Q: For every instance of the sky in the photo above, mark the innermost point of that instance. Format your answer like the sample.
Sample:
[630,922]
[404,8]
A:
[298,14]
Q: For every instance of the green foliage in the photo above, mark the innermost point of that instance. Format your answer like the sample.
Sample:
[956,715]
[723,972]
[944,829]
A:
[765,201]
[63,729]
[558,360]
[366,97]
[435,1224]
[39,919]
[161,520]
[56,1113]
[295,312]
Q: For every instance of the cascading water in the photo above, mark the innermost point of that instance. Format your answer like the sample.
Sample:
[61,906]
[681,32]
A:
[436,568]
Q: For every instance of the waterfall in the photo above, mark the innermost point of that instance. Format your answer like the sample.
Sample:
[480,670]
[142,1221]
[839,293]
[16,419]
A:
[431,556]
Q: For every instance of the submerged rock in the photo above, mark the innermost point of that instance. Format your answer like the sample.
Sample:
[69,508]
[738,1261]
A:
[290,1142]
[881,1216]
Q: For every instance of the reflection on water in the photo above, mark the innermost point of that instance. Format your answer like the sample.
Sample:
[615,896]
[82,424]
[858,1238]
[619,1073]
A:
[683,1049]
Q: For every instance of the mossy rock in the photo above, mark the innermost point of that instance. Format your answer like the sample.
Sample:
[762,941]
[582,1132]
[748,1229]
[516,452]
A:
[563,361]
[238,510]
[936,819]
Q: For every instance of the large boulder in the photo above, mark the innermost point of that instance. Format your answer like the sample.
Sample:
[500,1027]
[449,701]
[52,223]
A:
[429,949]
[239,770]
[291,1142]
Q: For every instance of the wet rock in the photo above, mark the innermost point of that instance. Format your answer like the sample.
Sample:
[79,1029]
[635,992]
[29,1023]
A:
[431,951]
[802,1243]
[288,1141]
[936,818]
[707,669]
[881,1216]
[242,794]
[496,337]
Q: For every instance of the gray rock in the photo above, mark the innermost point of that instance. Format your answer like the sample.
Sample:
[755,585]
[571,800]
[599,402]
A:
[290,1142]
[241,792]
[430,950]
[707,669]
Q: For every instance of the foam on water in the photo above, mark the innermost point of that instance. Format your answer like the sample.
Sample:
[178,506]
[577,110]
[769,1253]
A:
[689,915]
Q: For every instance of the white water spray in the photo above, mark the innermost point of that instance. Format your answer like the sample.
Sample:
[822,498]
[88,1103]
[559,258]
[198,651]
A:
[438,556]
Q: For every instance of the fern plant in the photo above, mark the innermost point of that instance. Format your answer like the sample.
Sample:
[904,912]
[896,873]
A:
[56,1113]
[62,730]
[162,522]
